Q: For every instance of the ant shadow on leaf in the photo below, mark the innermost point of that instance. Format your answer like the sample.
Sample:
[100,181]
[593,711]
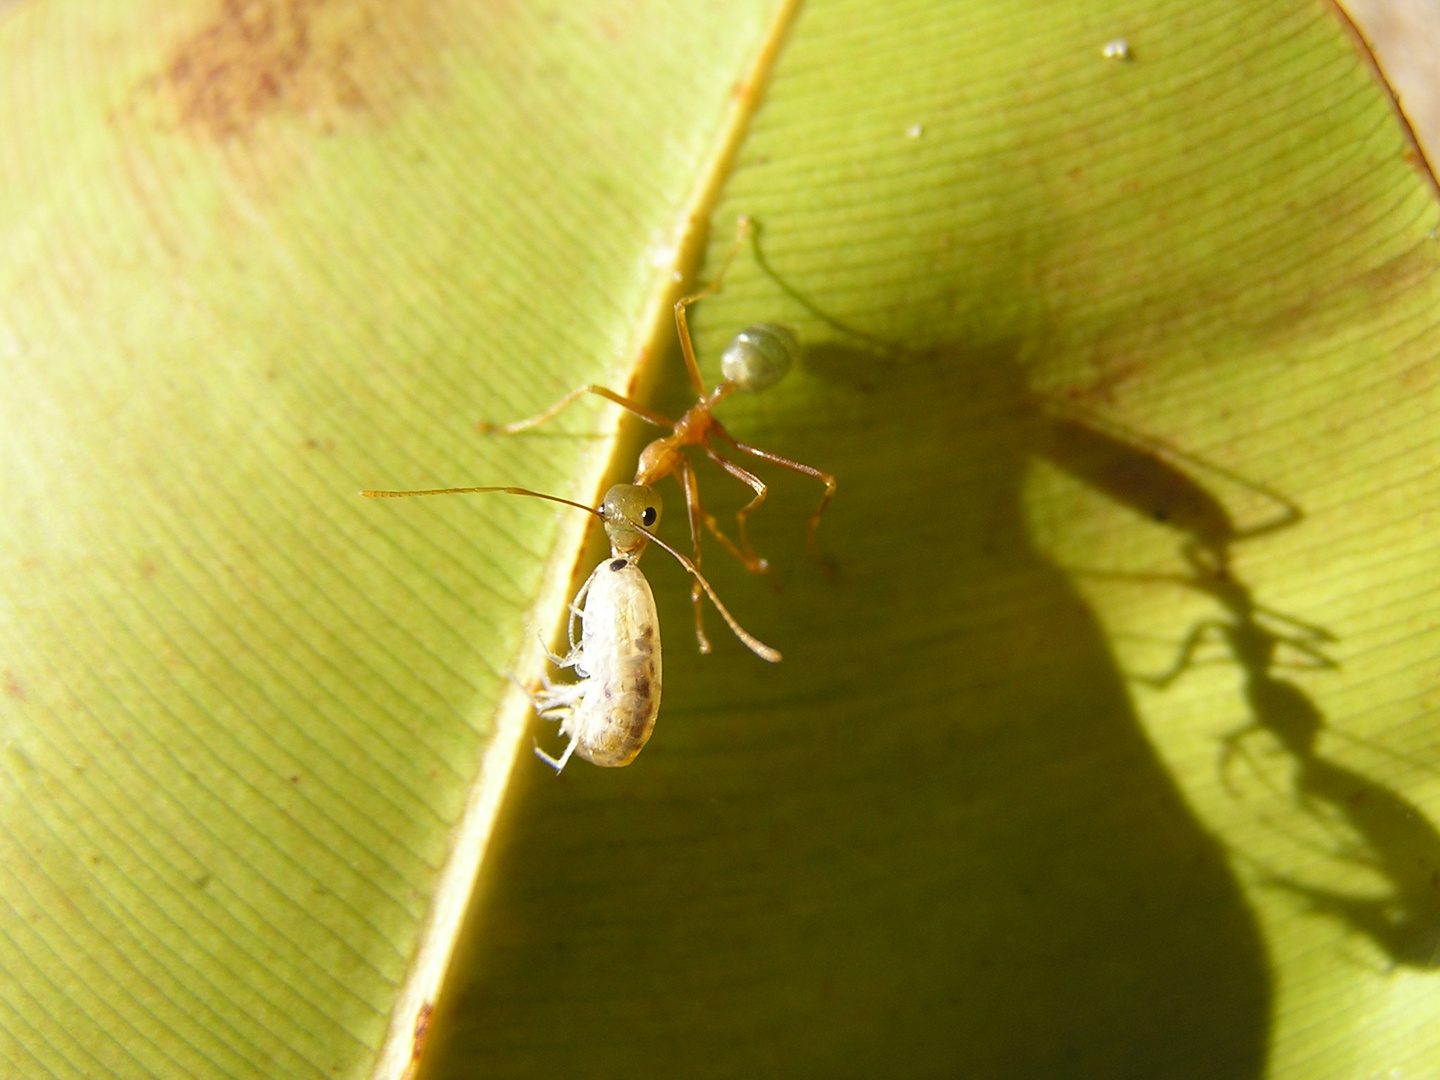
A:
[1389,836]
[1386,835]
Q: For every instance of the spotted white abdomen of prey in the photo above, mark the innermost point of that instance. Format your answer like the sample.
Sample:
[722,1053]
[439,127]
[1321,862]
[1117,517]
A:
[610,712]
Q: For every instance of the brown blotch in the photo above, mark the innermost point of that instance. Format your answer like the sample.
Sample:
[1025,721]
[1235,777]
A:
[14,687]
[1370,289]
[327,60]
[422,1028]
[417,1042]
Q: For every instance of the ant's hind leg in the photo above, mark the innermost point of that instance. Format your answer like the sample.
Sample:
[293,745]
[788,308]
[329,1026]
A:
[518,426]
[804,470]
[682,326]
[744,551]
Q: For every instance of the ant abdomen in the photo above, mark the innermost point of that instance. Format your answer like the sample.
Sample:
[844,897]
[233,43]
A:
[759,356]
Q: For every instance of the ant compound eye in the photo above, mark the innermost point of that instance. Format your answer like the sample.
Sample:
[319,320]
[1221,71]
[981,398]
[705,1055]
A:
[626,509]
[759,356]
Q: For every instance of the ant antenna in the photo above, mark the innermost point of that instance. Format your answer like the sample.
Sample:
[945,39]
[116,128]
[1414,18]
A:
[749,640]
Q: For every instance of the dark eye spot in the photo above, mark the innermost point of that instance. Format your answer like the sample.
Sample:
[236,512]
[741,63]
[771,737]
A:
[648,517]
[619,564]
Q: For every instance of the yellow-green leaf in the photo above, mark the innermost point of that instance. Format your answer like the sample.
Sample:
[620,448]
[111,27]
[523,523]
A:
[1124,356]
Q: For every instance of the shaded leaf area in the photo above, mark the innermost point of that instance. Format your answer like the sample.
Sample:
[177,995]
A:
[1124,368]
[939,843]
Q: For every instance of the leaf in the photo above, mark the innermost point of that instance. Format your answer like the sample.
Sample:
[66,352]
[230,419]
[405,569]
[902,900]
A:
[258,257]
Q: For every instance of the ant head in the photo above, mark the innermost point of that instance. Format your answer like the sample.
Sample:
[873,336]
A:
[624,507]
[759,356]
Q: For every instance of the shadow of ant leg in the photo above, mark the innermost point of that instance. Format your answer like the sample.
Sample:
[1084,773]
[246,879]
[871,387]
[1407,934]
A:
[1397,842]
[1185,657]
[1307,631]
[1305,638]
[1407,941]
[1209,559]
[1231,745]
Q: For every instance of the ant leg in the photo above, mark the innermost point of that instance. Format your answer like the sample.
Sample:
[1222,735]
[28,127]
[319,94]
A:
[696,513]
[745,552]
[749,640]
[804,470]
[682,327]
[554,410]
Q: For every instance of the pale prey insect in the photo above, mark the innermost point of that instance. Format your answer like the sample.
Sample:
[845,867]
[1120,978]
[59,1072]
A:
[756,359]
[610,711]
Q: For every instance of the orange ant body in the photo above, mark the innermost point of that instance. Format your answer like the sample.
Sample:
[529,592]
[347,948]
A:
[756,358]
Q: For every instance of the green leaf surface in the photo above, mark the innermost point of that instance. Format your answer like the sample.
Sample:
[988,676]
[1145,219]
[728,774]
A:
[1125,366]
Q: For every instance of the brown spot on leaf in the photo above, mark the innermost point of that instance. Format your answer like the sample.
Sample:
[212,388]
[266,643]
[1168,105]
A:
[14,687]
[326,60]
[1369,289]
[422,1028]
[417,1044]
